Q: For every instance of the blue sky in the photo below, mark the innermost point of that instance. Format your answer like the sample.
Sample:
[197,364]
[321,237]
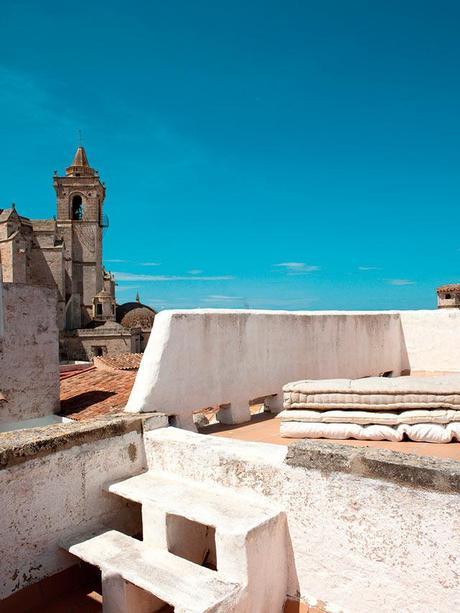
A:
[259,154]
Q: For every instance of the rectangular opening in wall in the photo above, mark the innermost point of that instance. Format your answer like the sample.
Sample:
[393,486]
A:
[99,351]
[138,599]
[135,521]
[191,540]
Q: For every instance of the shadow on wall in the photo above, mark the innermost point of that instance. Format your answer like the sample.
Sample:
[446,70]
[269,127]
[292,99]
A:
[71,348]
[405,362]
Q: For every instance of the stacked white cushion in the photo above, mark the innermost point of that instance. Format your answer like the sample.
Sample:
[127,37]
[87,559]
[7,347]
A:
[377,408]
[435,416]
[375,393]
[428,433]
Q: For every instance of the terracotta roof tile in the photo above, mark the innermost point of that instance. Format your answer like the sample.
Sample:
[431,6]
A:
[119,361]
[71,373]
[452,287]
[95,392]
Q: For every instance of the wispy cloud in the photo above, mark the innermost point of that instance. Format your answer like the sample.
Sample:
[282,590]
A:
[195,271]
[128,276]
[296,268]
[121,261]
[221,298]
[126,288]
[368,268]
[400,282]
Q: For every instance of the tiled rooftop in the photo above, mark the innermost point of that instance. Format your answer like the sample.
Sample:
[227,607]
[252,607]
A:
[119,361]
[101,389]
[95,392]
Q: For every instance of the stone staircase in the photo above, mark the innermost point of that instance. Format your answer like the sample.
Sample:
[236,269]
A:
[205,548]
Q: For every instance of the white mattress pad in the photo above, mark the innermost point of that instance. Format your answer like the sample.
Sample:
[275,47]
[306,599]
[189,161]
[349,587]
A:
[374,393]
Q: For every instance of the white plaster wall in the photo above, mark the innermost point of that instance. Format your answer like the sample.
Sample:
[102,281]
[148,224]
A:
[358,544]
[203,358]
[432,339]
[29,353]
[52,498]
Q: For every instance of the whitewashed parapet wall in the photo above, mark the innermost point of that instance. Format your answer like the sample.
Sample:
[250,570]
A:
[371,530]
[200,358]
[432,339]
[52,489]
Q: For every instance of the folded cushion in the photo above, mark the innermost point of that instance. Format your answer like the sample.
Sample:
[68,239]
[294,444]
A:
[428,433]
[375,393]
[424,416]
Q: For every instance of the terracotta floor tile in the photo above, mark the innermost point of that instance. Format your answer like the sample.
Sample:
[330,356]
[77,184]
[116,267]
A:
[264,428]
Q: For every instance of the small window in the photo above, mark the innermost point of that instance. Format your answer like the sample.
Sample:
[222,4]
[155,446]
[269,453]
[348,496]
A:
[98,308]
[98,351]
[77,208]
[448,296]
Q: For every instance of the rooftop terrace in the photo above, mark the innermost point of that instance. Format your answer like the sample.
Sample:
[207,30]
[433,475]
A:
[264,428]
[336,525]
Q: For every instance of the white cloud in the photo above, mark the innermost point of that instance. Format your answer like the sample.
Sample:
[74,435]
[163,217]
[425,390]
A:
[120,261]
[297,267]
[126,288]
[128,276]
[195,271]
[221,298]
[400,282]
[368,268]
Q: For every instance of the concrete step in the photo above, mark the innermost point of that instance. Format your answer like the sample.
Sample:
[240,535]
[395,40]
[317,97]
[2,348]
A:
[243,536]
[214,506]
[138,578]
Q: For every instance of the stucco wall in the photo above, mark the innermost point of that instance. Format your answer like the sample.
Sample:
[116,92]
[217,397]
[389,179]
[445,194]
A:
[203,358]
[29,353]
[53,497]
[359,543]
[432,339]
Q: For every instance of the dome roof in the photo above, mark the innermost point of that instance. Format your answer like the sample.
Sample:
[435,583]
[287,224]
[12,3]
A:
[135,315]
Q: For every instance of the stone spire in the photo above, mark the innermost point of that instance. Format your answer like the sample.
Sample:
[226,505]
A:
[80,166]
[138,297]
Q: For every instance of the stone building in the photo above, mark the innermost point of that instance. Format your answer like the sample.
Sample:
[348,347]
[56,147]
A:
[29,361]
[448,296]
[65,253]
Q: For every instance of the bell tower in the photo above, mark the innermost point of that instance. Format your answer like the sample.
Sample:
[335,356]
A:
[80,221]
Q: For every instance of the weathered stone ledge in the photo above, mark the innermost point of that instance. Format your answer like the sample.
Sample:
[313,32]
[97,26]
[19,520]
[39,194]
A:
[403,468]
[21,446]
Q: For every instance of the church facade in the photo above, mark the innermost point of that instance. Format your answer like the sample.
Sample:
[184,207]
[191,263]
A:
[65,252]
